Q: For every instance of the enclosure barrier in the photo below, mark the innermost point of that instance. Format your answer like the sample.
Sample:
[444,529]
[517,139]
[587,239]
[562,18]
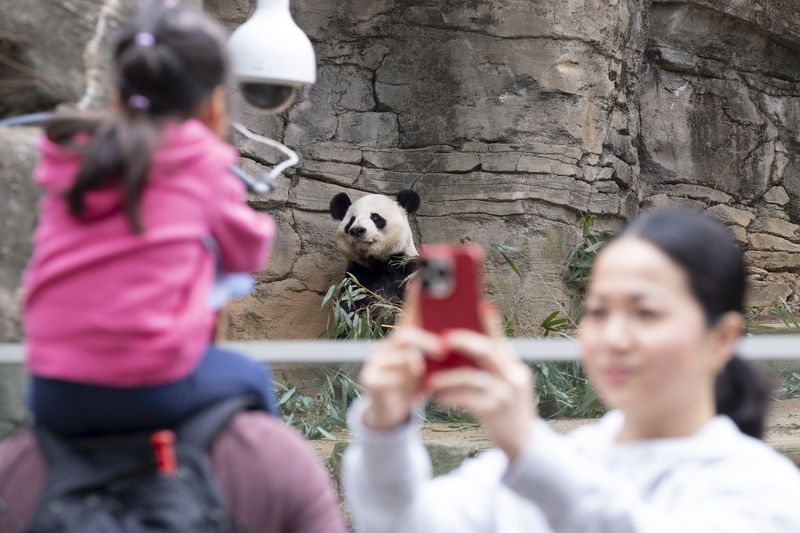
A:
[760,347]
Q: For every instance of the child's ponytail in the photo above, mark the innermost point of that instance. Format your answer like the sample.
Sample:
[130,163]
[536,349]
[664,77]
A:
[119,153]
[166,64]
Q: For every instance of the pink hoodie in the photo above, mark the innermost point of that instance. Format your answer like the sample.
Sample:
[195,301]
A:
[107,306]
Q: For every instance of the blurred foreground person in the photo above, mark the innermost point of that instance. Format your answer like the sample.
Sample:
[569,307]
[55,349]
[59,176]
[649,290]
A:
[680,450]
[270,479]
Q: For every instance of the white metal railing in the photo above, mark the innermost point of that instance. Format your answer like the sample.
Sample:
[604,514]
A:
[760,347]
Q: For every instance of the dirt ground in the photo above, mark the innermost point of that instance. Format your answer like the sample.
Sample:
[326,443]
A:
[783,428]
[783,431]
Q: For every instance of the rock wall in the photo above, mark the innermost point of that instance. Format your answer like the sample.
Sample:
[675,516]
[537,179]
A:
[720,111]
[511,118]
[38,69]
[18,198]
[42,65]
[41,44]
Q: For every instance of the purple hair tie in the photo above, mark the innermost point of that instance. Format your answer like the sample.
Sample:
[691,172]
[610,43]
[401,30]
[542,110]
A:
[137,101]
[144,39]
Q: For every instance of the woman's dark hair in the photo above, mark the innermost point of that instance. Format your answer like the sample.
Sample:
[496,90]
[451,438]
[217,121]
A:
[166,62]
[714,265]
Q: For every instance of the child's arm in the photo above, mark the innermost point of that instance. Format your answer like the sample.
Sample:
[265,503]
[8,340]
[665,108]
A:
[243,236]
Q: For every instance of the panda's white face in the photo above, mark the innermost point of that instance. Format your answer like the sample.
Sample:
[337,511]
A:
[374,228]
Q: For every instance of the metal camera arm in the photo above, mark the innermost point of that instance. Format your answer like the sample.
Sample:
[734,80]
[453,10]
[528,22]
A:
[266,183]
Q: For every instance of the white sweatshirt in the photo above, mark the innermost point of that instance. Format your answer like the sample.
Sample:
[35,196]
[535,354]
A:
[717,481]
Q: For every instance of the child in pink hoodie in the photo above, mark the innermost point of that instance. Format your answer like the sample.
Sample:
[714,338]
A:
[118,319]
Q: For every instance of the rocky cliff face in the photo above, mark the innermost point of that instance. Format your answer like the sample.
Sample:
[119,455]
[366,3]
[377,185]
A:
[720,112]
[512,119]
[42,65]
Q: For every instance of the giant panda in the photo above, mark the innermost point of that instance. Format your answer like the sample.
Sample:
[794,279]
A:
[375,238]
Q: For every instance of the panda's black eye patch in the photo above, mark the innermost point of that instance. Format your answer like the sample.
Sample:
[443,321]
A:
[379,221]
[347,227]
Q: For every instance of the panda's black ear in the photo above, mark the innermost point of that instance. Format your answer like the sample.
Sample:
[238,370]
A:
[339,205]
[408,200]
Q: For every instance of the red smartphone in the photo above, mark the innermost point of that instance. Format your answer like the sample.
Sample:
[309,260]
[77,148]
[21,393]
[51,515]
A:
[451,279]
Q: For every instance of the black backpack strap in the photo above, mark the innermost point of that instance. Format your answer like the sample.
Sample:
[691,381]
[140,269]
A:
[78,464]
[54,449]
[202,428]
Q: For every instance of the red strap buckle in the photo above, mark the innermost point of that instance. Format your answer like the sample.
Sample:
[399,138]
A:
[163,443]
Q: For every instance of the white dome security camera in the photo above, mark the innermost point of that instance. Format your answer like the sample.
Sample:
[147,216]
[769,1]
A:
[272,57]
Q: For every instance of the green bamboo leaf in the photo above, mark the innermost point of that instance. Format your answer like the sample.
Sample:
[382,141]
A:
[286,395]
[591,249]
[510,262]
[328,296]
[326,434]
[550,317]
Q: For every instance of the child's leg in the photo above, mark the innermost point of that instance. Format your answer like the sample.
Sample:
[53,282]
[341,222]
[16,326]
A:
[223,373]
[76,409]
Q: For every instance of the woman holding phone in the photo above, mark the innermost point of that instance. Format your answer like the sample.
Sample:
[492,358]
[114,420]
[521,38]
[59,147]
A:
[679,450]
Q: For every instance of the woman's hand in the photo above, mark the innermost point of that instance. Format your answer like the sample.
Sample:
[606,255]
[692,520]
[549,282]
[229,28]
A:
[393,375]
[499,394]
